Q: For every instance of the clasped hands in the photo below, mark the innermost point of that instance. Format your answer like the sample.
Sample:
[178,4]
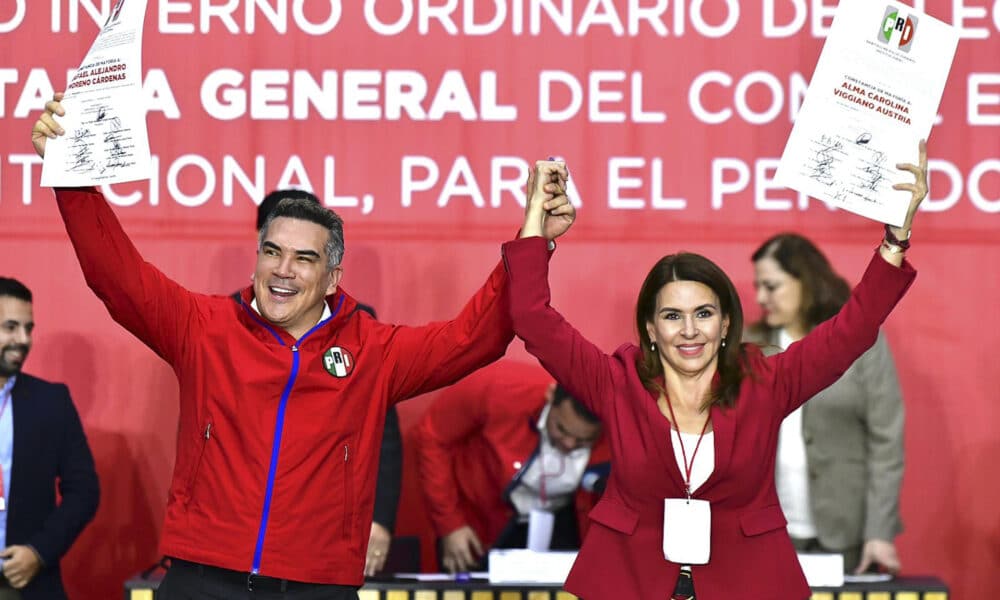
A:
[548,212]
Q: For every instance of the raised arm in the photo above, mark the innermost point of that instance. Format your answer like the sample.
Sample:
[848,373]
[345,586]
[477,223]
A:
[431,356]
[816,361]
[575,362]
[478,336]
[142,299]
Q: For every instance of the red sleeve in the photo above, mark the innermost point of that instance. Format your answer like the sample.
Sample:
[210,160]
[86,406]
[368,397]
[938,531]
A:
[146,302]
[816,361]
[422,359]
[454,416]
[580,366]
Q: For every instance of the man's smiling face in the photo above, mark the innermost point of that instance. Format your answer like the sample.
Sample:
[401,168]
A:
[292,277]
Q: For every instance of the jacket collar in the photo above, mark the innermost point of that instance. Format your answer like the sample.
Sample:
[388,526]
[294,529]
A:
[341,304]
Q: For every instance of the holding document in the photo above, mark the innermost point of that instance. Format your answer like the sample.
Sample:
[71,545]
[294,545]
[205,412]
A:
[105,120]
[692,414]
[874,94]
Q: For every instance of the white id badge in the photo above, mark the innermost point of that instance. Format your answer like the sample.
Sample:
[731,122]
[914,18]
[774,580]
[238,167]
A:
[687,531]
[540,525]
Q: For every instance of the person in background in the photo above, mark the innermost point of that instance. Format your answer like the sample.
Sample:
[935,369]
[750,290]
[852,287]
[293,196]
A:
[43,449]
[493,447]
[840,456]
[390,462]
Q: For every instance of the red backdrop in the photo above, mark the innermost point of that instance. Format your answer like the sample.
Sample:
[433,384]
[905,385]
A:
[415,119]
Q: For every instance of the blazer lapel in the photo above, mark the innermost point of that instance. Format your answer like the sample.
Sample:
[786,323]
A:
[662,431]
[724,428]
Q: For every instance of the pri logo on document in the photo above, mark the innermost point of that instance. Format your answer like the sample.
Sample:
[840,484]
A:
[897,26]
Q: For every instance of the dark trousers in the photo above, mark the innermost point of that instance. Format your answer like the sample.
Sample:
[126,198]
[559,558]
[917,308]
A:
[192,581]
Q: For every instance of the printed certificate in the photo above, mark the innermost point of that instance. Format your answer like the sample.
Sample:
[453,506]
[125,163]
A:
[105,122]
[873,96]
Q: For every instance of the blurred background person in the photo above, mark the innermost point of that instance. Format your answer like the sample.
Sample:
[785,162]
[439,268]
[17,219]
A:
[840,455]
[493,447]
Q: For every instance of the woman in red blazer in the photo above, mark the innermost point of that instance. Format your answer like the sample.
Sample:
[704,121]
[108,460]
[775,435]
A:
[691,394]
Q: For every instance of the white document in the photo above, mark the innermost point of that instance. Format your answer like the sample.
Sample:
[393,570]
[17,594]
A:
[441,576]
[527,566]
[822,570]
[873,96]
[540,526]
[105,121]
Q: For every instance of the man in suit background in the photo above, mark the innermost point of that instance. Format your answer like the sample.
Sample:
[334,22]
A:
[41,442]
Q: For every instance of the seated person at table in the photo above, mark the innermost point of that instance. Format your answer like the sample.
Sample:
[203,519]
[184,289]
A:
[497,445]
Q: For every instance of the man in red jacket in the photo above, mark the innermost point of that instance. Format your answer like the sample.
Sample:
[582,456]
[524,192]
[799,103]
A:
[283,395]
[497,445]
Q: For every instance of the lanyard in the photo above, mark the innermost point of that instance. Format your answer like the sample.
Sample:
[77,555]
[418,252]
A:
[687,467]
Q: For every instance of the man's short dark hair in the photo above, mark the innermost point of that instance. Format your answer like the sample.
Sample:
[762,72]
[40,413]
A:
[271,200]
[308,208]
[14,289]
[561,394]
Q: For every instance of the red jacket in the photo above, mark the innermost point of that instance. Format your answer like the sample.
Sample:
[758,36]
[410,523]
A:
[276,456]
[475,438]
[751,554]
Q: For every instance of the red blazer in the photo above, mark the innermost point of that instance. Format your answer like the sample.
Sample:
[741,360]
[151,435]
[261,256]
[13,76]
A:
[472,441]
[751,554]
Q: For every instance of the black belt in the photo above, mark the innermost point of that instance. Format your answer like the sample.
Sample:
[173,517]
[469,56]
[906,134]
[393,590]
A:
[249,581]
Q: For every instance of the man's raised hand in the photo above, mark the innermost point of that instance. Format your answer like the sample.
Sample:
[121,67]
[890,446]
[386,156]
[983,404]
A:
[46,126]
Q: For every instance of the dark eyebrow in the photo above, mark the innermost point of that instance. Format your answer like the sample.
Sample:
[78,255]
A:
[697,308]
[309,253]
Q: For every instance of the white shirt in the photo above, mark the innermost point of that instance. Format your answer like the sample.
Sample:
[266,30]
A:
[6,449]
[704,459]
[792,470]
[562,473]
[326,310]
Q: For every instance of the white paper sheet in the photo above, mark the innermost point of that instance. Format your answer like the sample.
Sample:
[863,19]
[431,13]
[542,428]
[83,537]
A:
[874,94]
[105,121]
[527,566]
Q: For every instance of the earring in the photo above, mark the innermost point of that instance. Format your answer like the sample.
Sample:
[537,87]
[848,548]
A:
[652,346]
[723,342]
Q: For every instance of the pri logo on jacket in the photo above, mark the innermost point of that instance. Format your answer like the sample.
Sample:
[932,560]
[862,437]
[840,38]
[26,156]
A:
[338,361]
